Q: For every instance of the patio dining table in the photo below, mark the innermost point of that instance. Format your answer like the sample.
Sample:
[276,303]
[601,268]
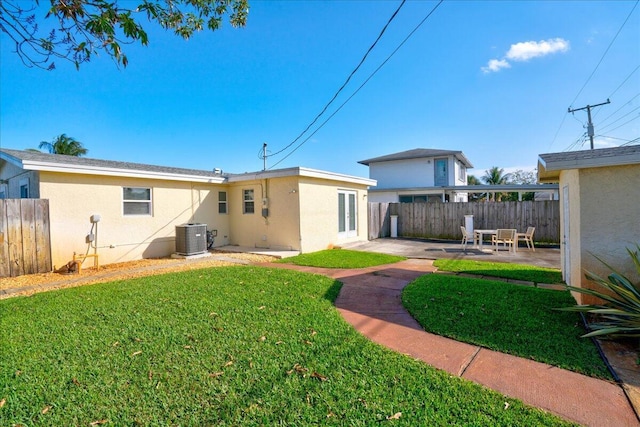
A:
[479,235]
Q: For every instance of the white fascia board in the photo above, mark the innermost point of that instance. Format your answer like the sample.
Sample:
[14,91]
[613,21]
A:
[12,160]
[474,188]
[129,173]
[302,172]
[592,162]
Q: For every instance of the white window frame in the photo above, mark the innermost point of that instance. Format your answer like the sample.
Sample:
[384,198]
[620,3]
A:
[462,173]
[149,202]
[223,205]
[248,200]
[24,183]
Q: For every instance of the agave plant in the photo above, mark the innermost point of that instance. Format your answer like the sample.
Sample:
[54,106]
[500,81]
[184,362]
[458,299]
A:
[619,315]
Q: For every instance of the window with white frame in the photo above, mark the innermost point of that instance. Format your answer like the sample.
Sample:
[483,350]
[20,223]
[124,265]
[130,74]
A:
[222,202]
[136,201]
[248,202]
[462,173]
[24,188]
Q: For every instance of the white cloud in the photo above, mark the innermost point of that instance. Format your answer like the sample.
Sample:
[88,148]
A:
[496,65]
[525,51]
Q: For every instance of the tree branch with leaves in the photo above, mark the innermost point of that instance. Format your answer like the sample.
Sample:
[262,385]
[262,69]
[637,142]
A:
[77,30]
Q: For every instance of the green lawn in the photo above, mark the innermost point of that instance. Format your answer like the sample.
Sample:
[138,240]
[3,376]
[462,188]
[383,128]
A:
[525,272]
[226,346]
[509,318]
[342,258]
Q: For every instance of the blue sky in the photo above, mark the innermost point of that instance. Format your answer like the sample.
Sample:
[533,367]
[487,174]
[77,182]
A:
[492,79]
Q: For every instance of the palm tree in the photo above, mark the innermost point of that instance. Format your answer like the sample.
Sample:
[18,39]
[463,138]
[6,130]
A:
[474,197]
[495,176]
[64,144]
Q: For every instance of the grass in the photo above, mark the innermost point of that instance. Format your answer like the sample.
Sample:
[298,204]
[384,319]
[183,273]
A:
[524,272]
[225,346]
[342,258]
[509,318]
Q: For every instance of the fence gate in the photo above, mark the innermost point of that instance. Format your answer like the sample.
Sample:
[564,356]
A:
[25,245]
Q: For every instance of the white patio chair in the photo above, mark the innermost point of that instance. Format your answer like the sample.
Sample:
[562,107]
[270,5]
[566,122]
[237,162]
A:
[527,237]
[466,235]
[506,236]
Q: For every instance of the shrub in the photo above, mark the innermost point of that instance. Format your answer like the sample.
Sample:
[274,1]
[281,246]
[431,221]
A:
[619,315]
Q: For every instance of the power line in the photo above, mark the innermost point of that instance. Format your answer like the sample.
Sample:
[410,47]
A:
[633,141]
[580,140]
[624,81]
[363,84]
[592,74]
[620,118]
[613,137]
[344,84]
[615,112]
[605,52]
[627,122]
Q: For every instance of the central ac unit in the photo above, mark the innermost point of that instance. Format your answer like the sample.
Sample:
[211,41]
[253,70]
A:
[191,239]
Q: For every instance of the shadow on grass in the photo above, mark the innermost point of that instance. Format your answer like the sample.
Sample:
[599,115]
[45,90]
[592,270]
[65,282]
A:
[333,291]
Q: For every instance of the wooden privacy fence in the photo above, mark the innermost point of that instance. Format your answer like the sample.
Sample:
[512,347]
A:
[443,220]
[25,246]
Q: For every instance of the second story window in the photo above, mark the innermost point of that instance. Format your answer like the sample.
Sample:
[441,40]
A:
[24,188]
[462,173]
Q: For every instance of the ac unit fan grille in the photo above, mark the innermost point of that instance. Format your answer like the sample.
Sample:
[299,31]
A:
[191,239]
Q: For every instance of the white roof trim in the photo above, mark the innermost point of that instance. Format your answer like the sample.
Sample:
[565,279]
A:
[551,164]
[302,172]
[595,162]
[130,173]
[508,188]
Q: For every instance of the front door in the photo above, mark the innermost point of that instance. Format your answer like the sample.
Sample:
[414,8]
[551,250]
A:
[441,171]
[347,214]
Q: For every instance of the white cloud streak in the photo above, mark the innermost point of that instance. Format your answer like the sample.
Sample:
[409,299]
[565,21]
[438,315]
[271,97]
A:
[524,51]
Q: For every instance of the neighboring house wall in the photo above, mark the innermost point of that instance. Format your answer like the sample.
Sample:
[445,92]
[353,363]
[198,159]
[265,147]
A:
[12,177]
[403,173]
[418,175]
[383,197]
[74,198]
[415,173]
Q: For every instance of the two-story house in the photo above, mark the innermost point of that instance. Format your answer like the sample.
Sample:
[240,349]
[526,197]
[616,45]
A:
[419,175]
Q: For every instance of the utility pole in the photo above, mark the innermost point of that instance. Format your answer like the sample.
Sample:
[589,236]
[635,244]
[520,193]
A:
[589,124]
[264,156]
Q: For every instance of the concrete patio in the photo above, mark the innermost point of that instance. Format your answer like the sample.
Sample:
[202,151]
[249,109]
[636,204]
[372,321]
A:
[548,256]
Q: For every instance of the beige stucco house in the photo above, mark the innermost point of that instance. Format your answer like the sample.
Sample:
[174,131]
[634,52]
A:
[600,209]
[140,205]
